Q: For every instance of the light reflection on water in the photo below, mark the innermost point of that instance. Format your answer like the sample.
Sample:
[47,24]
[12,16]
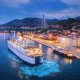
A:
[14,57]
[53,63]
[44,69]
[49,53]
[50,64]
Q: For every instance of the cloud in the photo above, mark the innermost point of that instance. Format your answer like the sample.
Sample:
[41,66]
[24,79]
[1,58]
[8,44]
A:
[49,0]
[63,14]
[71,2]
[14,3]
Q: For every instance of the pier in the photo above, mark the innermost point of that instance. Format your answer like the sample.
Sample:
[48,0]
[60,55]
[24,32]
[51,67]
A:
[55,46]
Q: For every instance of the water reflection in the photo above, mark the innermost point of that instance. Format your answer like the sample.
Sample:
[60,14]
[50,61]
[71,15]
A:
[44,69]
[53,63]
[56,57]
[14,64]
[67,60]
[50,64]
[22,76]
[49,53]
[14,57]
[4,35]
[40,46]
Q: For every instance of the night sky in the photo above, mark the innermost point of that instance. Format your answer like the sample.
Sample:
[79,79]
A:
[18,9]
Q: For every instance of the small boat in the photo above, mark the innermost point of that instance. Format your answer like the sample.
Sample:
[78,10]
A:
[26,51]
[64,54]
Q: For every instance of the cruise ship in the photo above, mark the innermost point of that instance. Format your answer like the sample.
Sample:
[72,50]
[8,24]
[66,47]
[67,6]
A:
[26,50]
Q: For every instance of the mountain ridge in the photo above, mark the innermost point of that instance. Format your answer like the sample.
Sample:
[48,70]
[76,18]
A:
[28,22]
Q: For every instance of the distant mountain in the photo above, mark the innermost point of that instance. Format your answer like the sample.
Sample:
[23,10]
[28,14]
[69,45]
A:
[37,22]
[70,23]
[28,22]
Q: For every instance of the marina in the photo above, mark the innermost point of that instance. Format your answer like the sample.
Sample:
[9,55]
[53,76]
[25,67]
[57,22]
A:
[24,44]
[74,51]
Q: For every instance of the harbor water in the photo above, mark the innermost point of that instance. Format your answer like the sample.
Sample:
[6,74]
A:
[54,67]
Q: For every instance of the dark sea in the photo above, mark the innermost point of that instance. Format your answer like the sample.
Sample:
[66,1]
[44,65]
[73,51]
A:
[54,67]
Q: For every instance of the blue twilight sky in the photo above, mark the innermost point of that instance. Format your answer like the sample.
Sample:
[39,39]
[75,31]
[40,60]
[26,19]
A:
[18,9]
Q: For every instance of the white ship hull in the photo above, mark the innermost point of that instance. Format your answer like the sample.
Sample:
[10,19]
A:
[22,55]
